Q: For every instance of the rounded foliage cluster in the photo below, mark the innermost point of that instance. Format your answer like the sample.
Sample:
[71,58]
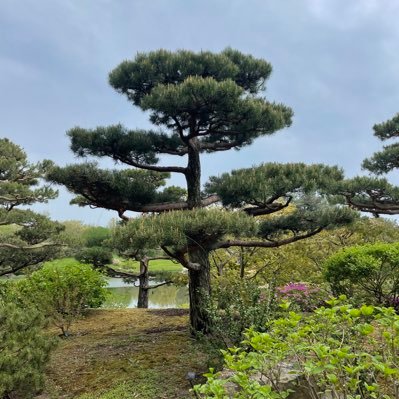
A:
[62,292]
[366,273]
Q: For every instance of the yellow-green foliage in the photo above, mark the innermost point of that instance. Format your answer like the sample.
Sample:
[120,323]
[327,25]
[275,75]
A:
[366,272]
[179,227]
[62,293]
[340,351]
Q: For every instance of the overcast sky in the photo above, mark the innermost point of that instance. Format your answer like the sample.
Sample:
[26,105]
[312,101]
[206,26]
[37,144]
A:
[335,62]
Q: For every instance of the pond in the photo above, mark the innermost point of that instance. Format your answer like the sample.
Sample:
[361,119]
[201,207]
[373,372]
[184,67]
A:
[124,295]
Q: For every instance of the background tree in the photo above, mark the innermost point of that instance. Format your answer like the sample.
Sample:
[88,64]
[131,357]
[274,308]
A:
[96,251]
[372,194]
[302,261]
[204,103]
[73,237]
[26,238]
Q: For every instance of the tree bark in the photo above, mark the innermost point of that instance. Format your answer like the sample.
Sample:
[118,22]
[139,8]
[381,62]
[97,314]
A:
[142,301]
[199,290]
[193,174]
[199,279]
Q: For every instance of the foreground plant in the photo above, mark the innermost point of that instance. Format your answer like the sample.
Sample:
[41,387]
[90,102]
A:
[340,352]
[234,306]
[24,350]
[62,293]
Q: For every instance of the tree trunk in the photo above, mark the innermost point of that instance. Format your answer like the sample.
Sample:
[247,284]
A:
[199,280]
[242,264]
[142,301]
[193,174]
[199,290]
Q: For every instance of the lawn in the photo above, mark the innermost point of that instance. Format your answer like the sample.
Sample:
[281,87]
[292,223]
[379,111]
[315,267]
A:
[162,265]
[129,353]
[155,266]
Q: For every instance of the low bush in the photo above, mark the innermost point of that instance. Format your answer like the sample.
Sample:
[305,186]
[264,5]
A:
[340,352]
[62,293]
[234,306]
[367,273]
[302,296]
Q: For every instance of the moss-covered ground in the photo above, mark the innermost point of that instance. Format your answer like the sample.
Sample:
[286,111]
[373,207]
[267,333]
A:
[125,353]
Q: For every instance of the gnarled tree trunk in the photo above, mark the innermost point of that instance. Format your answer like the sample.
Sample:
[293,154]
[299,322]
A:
[142,301]
[199,290]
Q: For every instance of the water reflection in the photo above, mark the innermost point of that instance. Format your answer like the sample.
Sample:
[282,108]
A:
[123,295]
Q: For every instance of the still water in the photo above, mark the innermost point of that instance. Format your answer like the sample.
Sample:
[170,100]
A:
[124,295]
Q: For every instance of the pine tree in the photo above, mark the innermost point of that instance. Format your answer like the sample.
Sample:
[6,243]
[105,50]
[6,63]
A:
[373,194]
[26,238]
[24,350]
[204,103]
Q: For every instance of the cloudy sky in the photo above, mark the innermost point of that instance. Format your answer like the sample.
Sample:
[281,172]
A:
[335,62]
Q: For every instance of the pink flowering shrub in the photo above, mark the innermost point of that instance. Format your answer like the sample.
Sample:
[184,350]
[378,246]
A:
[301,295]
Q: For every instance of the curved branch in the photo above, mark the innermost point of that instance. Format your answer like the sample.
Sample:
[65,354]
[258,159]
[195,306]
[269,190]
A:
[22,266]
[265,244]
[30,247]
[119,273]
[219,146]
[376,207]
[122,215]
[181,258]
[131,162]
[175,206]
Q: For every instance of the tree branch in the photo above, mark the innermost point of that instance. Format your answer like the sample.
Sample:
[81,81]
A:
[376,207]
[158,285]
[219,146]
[269,207]
[265,244]
[180,257]
[22,266]
[30,247]
[174,206]
[119,273]
[131,162]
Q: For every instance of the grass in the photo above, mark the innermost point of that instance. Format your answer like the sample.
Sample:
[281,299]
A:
[125,353]
[162,265]
[63,262]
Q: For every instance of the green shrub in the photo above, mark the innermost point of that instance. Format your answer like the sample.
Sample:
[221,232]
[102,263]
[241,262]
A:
[234,306]
[24,349]
[96,256]
[367,273]
[63,293]
[340,352]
